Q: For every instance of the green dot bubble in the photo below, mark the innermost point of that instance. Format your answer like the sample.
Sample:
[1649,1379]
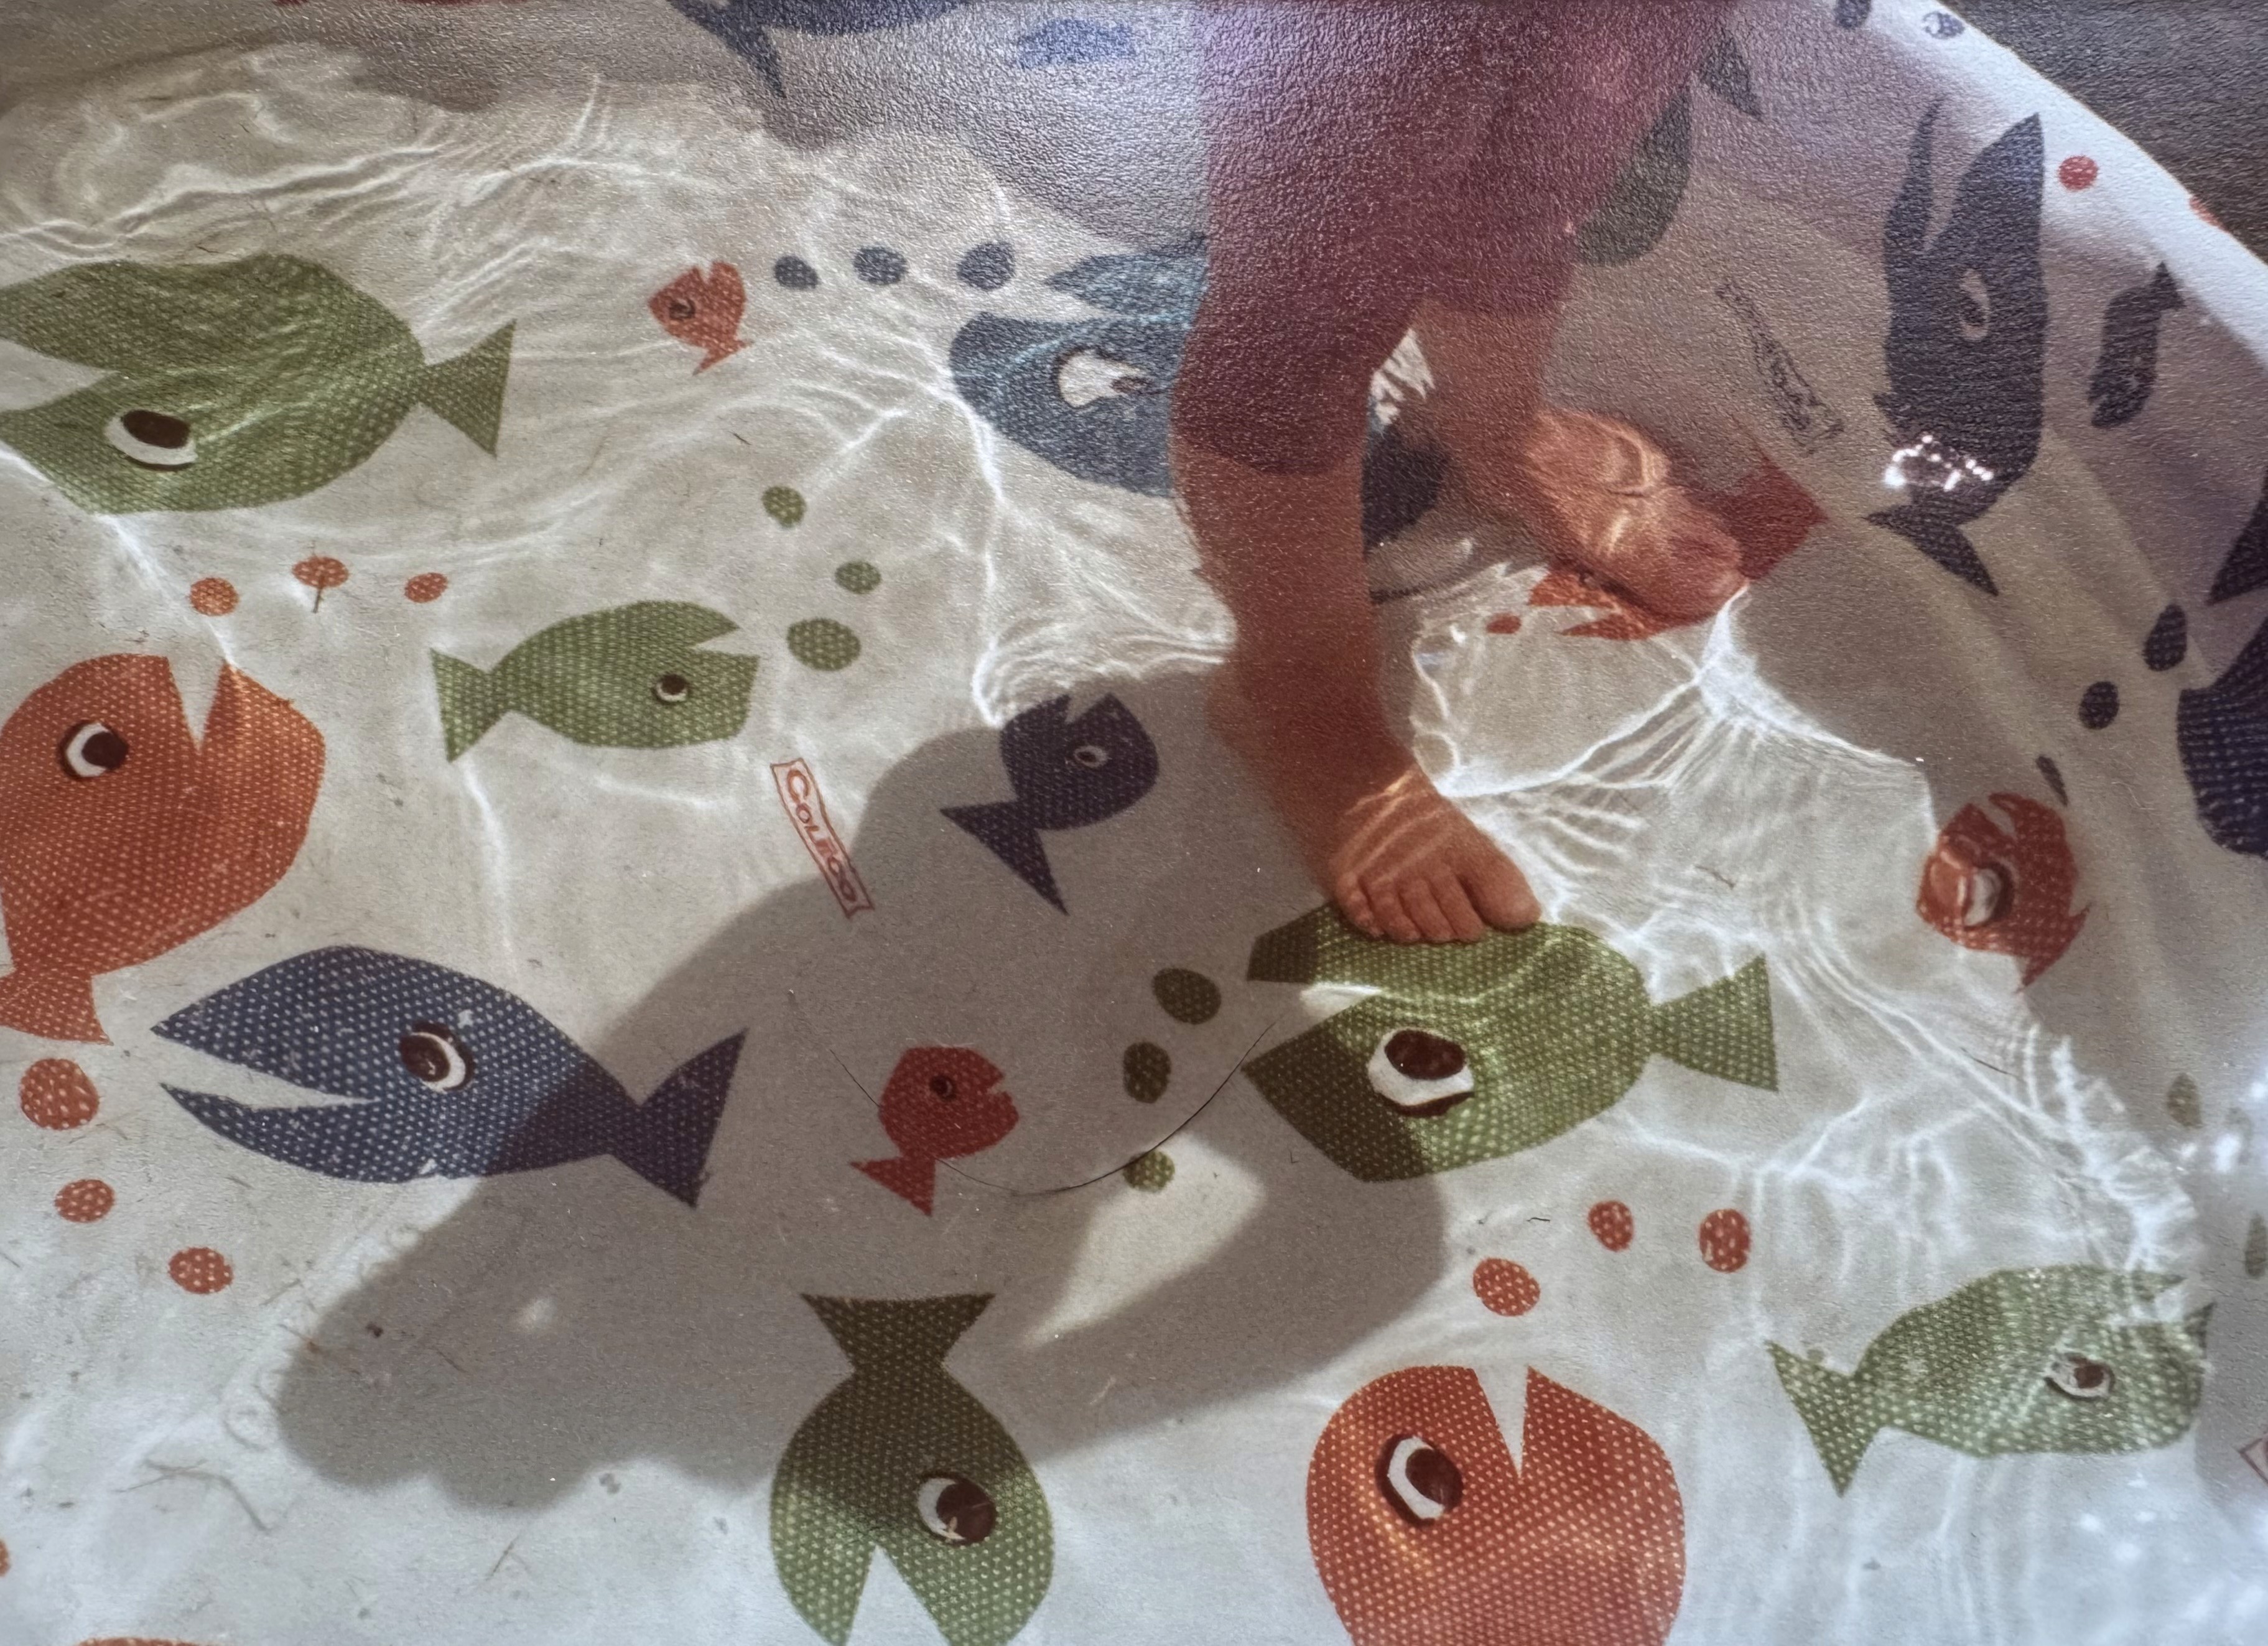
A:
[1148,1071]
[1151,1172]
[1187,997]
[859,576]
[822,643]
[784,504]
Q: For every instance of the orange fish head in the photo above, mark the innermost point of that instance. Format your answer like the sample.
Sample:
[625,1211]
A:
[941,1102]
[2000,891]
[703,310]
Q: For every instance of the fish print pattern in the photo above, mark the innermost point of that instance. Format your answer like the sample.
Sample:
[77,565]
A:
[703,311]
[2005,891]
[2222,730]
[1067,773]
[2245,567]
[743,24]
[901,1457]
[1426,1533]
[2127,370]
[230,384]
[446,1076]
[1638,210]
[628,677]
[939,1104]
[1475,1050]
[1966,342]
[1062,43]
[2023,1360]
[121,837]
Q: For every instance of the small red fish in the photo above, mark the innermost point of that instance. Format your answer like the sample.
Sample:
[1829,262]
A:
[2006,894]
[704,310]
[120,836]
[1426,1533]
[938,1104]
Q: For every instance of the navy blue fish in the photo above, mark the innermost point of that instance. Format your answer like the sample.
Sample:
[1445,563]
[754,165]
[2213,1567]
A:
[448,1077]
[1966,342]
[2223,732]
[2245,567]
[1065,41]
[741,23]
[2127,368]
[1067,774]
[1094,396]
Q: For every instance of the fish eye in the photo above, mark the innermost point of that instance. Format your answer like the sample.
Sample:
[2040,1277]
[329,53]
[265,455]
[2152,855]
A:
[1418,1479]
[1084,376]
[434,1055]
[1421,1073]
[2079,1377]
[681,308]
[1990,886]
[151,439]
[91,750]
[1094,757]
[1976,306]
[941,1087]
[672,689]
[955,1510]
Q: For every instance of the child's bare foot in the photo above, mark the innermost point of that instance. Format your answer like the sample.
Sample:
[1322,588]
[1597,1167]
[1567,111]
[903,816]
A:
[1399,860]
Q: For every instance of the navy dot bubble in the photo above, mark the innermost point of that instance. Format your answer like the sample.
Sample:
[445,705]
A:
[795,274]
[2098,705]
[988,267]
[879,265]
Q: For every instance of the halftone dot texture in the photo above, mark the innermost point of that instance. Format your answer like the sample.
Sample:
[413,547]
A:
[56,1094]
[1972,1370]
[104,872]
[1505,1287]
[1150,1172]
[859,577]
[1723,1240]
[1611,1223]
[2031,864]
[212,596]
[879,265]
[850,1480]
[333,1021]
[2255,1247]
[285,376]
[1554,1026]
[1148,1069]
[2222,730]
[1185,996]
[1583,1540]
[821,643]
[425,587]
[199,1269]
[628,677]
[2184,1102]
[987,266]
[784,504]
[88,1200]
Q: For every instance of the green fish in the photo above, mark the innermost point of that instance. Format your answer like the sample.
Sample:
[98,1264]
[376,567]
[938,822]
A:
[902,1457]
[624,678]
[230,384]
[2024,1360]
[1469,1051]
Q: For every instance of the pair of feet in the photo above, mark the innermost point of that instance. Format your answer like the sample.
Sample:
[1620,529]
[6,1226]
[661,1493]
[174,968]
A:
[1400,860]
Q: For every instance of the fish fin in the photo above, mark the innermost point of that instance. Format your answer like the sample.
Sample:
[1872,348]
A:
[471,702]
[720,351]
[2054,940]
[2246,566]
[1833,1406]
[469,390]
[742,31]
[1940,540]
[1724,1028]
[2195,1321]
[53,1005]
[667,1142]
[885,1332]
[904,1175]
[1001,825]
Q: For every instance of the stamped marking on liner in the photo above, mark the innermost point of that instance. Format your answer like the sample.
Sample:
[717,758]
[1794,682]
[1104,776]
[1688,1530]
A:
[800,800]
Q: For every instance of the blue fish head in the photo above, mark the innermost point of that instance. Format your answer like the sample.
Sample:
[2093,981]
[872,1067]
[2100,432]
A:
[355,1022]
[741,23]
[1068,772]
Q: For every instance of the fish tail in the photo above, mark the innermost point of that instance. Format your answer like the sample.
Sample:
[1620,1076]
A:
[56,1006]
[1834,1409]
[469,390]
[1004,828]
[2164,293]
[909,1175]
[471,702]
[1940,540]
[911,1333]
[717,352]
[2054,938]
[742,29]
[1724,1028]
[666,1142]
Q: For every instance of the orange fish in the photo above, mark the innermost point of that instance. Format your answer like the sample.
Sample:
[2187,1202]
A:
[2007,894]
[1426,1533]
[120,836]
[938,1104]
[1768,514]
[704,310]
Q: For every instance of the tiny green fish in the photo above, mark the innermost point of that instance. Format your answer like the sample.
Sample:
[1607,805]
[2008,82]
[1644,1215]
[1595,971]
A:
[2024,1360]
[230,384]
[901,1458]
[1474,1050]
[628,677]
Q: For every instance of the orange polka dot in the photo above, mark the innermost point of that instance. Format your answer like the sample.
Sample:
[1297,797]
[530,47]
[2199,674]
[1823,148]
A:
[88,1200]
[426,586]
[1505,1287]
[199,1269]
[56,1094]
[1611,1221]
[320,571]
[213,596]
[2077,172]
[1724,1240]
